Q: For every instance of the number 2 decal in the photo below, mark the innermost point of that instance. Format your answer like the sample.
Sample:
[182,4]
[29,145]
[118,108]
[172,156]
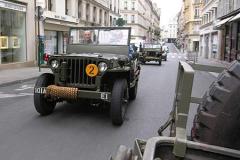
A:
[92,70]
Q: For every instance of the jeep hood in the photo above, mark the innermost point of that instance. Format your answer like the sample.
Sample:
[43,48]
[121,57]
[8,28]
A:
[107,56]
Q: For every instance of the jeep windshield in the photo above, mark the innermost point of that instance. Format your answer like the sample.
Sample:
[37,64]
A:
[100,36]
[151,45]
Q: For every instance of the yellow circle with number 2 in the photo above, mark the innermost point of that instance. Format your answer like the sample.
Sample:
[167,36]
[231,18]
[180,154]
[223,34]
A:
[92,70]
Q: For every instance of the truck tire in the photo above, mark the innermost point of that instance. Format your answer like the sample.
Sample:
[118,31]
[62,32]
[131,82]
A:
[42,105]
[133,91]
[217,121]
[119,101]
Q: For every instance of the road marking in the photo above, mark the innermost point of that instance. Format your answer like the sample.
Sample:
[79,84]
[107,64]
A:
[5,95]
[173,56]
[179,57]
[24,87]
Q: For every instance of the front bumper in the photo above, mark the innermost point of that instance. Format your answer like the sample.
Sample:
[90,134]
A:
[67,93]
[151,58]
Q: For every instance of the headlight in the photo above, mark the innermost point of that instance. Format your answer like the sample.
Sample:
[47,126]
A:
[54,64]
[102,66]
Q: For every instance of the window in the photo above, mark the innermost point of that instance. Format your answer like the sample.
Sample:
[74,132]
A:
[125,4]
[111,22]
[12,36]
[87,11]
[80,9]
[197,1]
[100,16]
[94,14]
[66,7]
[126,18]
[49,5]
[105,19]
[133,5]
[133,19]
[115,4]
[196,13]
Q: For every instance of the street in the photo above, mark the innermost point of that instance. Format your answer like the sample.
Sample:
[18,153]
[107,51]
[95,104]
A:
[77,132]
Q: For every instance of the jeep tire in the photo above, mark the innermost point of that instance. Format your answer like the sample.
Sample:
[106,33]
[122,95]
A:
[133,91]
[217,121]
[42,105]
[119,101]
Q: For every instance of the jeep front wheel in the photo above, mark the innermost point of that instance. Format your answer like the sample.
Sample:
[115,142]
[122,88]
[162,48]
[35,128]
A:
[41,103]
[119,101]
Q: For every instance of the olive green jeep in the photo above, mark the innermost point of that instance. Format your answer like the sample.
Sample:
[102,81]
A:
[151,52]
[100,67]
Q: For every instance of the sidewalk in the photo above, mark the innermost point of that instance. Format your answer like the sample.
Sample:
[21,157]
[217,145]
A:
[12,76]
[204,61]
[210,62]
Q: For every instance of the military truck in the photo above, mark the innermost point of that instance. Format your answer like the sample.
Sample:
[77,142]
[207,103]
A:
[215,131]
[100,67]
[151,52]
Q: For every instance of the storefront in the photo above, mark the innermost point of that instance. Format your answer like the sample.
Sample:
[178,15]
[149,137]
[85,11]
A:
[12,32]
[231,37]
[17,34]
[56,30]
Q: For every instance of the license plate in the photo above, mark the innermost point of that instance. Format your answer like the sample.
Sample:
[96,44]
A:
[104,96]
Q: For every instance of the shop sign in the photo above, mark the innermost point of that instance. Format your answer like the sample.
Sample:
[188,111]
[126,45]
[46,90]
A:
[13,6]
[52,15]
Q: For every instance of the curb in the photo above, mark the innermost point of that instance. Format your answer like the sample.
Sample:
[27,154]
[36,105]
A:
[17,81]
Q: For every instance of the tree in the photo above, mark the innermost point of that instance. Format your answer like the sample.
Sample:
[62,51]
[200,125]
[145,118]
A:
[120,22]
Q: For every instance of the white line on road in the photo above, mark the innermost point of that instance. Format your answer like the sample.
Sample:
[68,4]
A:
[5,95]
[24,87]
[173,56]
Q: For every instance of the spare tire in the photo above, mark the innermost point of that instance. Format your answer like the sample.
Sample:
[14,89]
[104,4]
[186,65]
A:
[217,121]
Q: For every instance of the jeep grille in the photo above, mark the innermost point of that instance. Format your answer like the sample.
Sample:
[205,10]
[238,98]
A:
[77,76]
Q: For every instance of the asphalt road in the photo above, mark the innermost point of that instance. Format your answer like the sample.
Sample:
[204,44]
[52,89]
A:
[77,132]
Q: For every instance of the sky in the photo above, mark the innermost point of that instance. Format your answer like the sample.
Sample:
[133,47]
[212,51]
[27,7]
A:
[169,9]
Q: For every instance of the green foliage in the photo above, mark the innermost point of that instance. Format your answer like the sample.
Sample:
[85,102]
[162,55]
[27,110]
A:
[120,22]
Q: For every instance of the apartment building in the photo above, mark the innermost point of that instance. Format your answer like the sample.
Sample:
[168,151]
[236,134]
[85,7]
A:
[114,12]
[229,24]
[209,36]
[144,18]
[17,33]
[60,15]
[171,30]
[192,22]
[180,30]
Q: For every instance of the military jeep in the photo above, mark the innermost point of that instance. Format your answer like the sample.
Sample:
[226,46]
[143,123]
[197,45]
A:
[151,52]
[100,67]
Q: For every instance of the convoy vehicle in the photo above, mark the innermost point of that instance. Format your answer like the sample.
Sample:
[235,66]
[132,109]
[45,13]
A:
[100,67]
[151,52]
[165,52]
[215,131]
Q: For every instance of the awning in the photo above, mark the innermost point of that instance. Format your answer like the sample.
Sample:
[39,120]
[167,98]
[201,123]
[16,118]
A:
[222,22]
[236,17]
